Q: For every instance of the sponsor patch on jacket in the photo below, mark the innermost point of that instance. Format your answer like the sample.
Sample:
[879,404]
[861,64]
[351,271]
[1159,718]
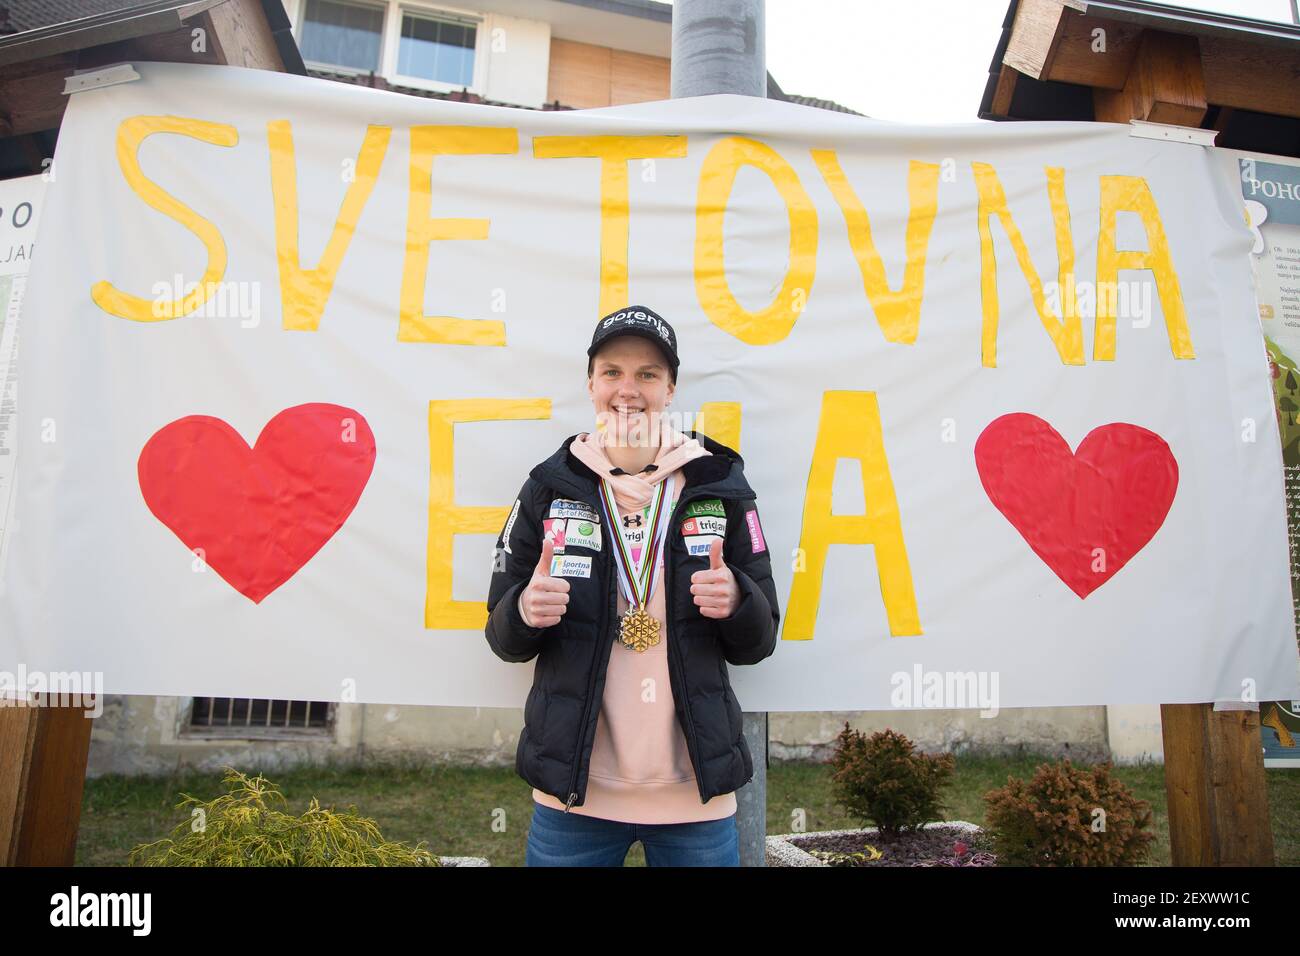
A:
[553,531]
[705,524]
[705,521]
[571,532]
[706,506]
[510,523]
[570,566]
[756,542]
[568,508]
[700,544]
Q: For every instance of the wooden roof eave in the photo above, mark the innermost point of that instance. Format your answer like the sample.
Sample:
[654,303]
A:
[1243,64]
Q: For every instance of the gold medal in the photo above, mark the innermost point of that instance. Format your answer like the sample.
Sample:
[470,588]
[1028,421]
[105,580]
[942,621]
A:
[639,629]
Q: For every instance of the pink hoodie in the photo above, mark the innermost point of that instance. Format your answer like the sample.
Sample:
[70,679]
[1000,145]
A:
[640,768]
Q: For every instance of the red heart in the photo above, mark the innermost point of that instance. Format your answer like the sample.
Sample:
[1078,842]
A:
[1113,493]
[258,514]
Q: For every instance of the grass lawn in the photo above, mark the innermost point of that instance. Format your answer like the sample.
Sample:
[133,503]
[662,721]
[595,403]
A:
[474,811]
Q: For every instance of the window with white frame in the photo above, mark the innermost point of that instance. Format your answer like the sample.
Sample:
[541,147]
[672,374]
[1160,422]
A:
[343,34]
[437,47]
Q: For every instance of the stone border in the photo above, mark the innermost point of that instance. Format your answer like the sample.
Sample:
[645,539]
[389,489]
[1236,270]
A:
[463,861]
[781,852]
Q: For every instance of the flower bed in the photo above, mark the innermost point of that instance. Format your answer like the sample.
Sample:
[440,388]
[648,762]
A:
[946,843]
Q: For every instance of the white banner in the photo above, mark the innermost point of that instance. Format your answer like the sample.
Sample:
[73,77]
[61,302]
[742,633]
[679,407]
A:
[20,211]
[1270,191]
[1000,388]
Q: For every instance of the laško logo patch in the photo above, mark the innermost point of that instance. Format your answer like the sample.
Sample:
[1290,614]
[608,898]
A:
[706,506]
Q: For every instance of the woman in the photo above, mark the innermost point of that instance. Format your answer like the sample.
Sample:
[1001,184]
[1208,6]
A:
[633,567]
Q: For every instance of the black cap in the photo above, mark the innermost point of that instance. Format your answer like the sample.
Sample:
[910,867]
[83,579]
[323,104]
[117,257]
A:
[637,320]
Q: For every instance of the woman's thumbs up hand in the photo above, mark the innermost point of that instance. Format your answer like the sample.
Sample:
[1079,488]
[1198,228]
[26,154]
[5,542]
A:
[716,592]
[545,600]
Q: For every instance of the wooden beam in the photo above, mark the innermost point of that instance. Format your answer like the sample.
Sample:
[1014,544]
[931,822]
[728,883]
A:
[1215,787]
[43,752]
[234,33]
[243,36]
[1164,84]
[174,46]
[1004,91]
[1092,51]
[31,94]
[1252,76]
[1240,72]
[1036,34]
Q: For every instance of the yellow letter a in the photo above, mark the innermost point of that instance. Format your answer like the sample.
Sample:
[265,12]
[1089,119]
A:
[850,428]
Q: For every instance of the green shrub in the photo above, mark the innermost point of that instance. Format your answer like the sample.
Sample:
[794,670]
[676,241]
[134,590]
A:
[1053,821]
[239,829]
[882,780]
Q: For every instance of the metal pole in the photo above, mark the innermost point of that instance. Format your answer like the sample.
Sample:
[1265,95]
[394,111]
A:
[718,47]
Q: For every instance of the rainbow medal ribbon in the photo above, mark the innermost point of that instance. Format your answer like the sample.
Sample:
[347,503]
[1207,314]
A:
[638,628]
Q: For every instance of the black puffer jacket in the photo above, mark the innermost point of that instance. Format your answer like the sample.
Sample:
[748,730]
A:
[560,714]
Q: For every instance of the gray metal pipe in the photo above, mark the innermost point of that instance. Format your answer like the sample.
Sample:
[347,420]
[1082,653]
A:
[718,47]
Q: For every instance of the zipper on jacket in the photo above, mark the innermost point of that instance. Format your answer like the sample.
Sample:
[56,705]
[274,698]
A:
[591,685]
[692,742]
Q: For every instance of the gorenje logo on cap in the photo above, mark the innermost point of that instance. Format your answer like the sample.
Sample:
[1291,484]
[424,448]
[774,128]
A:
[638,317]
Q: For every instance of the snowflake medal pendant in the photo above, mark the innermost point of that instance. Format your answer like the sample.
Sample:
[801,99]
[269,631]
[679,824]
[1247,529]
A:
[639,629]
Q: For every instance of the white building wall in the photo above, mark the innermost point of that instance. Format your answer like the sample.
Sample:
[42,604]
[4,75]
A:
[518,60]
[512,55]
[1134,733]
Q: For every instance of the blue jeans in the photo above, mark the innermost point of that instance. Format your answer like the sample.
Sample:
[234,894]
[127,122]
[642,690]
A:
[557,838]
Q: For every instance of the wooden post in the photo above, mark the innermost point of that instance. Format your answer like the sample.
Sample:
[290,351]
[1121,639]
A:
[1215,787]
[1164,84]
[43,753]
[1214,762]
